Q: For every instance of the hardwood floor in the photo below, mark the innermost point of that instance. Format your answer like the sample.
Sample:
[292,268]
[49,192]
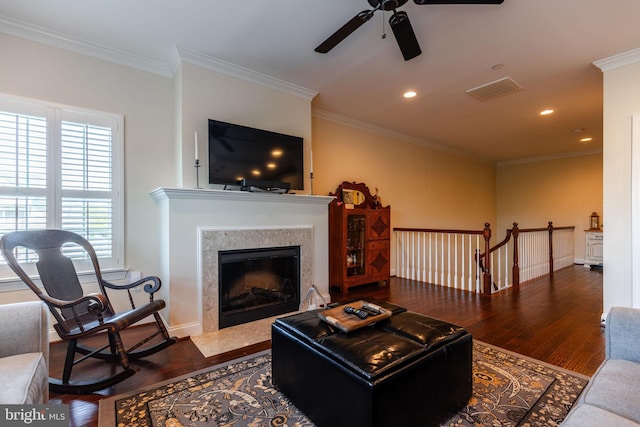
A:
[554,320]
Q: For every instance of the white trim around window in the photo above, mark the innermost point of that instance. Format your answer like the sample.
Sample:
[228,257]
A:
[62,167]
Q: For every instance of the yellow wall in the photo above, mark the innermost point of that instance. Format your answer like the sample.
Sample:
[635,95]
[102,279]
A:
[565,191]
[425,188]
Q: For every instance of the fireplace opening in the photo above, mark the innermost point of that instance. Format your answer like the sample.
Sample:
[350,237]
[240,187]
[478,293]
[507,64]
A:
[257,283]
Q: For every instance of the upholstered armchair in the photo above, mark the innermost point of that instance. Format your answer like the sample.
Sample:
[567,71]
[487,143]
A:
[611,398]
[24,353]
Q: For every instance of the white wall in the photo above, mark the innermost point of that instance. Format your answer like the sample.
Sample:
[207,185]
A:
[161,116]
[38,71]
[621,102]
[208,94]
[201,94]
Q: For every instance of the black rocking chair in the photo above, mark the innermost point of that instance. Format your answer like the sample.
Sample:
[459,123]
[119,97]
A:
[79,315]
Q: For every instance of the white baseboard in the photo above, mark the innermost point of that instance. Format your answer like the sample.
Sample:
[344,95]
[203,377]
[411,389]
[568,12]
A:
[186,330]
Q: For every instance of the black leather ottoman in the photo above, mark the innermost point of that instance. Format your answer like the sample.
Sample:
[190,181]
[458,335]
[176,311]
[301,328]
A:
[407,370]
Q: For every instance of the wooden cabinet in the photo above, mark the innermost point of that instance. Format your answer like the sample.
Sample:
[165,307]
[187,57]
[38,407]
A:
[359,238]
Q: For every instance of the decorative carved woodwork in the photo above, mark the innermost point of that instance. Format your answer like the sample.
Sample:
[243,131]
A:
[359,238]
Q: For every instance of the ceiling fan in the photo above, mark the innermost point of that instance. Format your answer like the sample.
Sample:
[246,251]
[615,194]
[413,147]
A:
[399,23]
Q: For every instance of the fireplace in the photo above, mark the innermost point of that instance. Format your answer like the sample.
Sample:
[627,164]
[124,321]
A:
[217,240]
[196,224]
[257,283]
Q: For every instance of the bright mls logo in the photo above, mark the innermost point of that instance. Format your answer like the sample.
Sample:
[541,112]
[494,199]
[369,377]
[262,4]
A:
[34,415]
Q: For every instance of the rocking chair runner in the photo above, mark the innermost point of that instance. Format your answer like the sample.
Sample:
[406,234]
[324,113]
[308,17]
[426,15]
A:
[79,315]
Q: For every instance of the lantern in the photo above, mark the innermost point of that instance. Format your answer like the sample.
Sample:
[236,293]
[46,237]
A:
[594,221]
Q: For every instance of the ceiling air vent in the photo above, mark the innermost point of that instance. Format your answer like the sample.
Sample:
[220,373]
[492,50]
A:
[496,89]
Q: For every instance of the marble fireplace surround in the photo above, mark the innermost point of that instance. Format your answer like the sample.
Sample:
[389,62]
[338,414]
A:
[214,240]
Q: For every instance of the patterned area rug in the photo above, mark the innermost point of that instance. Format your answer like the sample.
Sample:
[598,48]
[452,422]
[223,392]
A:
[508,390]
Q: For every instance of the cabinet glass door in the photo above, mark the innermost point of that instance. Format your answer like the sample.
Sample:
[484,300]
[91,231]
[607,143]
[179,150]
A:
[356,245]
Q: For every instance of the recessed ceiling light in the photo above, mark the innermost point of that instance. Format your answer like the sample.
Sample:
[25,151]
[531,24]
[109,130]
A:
[409,94]
[546,112]
[586,139]
[497,67]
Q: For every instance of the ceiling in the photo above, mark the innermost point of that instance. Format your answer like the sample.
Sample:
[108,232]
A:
[545,46]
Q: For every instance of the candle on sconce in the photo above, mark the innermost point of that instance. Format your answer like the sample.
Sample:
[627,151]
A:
[196,139]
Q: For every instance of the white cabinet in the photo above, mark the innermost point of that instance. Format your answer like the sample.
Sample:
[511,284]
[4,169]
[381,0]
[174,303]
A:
[593,248]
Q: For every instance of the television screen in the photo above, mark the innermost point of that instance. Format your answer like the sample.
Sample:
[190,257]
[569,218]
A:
[240,152]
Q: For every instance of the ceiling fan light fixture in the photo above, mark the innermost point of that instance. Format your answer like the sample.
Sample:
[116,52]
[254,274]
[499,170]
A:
[388,4]
[458,1]
[399,22]
[344,31]
[406,38]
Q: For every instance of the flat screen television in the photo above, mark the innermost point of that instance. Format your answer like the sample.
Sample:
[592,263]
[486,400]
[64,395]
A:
[258,156]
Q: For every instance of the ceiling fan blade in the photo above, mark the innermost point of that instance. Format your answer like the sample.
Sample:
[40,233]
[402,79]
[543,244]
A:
[458,1]
[405,36]
[344,31]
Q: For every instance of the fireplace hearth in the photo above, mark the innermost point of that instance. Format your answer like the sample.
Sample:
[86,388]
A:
[257,283]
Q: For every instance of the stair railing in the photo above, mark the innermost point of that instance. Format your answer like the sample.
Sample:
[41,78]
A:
[441,256]
[543,251]
[464,259]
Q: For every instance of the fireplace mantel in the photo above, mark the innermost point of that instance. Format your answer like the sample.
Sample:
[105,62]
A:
[186,215]
[243,196]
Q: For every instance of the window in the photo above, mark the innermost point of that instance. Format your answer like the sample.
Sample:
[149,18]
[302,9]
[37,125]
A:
[60,167]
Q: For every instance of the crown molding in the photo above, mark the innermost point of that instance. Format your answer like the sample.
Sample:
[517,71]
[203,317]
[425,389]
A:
[347,121]
[549,157]
[368,127]
[64,41]
[218,65]
[166,69]
[174,60]
[620,60]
